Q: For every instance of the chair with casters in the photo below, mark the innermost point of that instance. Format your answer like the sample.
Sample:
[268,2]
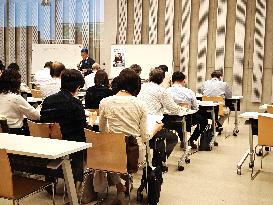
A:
[16,188]
[36,93]
[269,109]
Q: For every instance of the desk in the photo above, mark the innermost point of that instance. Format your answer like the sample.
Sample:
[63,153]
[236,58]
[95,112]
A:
[48,149]
[233,104]
[251,116]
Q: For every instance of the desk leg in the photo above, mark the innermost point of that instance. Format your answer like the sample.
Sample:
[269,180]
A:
[213,141]
[236,130]
[249,152]
[186,149]
[69,182]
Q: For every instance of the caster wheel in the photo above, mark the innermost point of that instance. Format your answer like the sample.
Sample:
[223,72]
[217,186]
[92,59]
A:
[260,153]
[187,161]
[239,172]
[234,134]
[251,165]
[139,197]
[216,144]
[237,131]
[266,149]
[181,168]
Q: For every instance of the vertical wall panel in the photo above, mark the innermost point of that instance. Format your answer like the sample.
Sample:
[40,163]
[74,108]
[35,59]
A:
[122,22]
[238,65]
[11,30]
[23,40]
[46,25]
[85,23]
[34,20]
[258,55]
[169,16]
[153,21]
[185,37]
[2,31]
[202,43]
[59,21]
[221,34]
[137,21]
[72,21]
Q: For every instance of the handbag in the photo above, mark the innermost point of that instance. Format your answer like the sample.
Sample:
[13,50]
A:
[132,151]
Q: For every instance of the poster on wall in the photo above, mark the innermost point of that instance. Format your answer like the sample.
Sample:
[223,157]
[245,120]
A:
[118,58]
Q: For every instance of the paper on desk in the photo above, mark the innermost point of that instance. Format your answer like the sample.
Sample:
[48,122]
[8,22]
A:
[152,121]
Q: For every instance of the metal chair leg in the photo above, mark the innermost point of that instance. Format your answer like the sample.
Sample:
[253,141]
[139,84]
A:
[53,193]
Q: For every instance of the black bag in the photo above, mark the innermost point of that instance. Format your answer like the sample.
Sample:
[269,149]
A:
[205,140]
[88,193]
[154,181]
[132,151]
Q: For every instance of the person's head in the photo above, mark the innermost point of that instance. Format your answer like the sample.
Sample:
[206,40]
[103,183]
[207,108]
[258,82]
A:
[48,64]
[56,69]
[217,74]
[10,81]
[71,81]
[84,53]
[178,77]
[96,67]
[129,81]
[101,78]
[2,68]
[157,76]
[136,68]
[14,66]
[164,68]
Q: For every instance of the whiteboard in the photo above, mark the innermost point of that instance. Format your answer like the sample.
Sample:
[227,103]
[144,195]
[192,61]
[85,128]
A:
[68,54]
[147,56]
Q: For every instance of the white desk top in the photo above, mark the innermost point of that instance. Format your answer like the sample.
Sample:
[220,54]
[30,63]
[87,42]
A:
[34,100]
[40,147]
[263,107]
[232,98]
[254,115]
[207,103]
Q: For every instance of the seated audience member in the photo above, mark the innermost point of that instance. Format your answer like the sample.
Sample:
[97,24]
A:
[124,113]
[54,84]
[2,67]
[99,91]
[43,76]
[181,94]
[158,100]
[68,111]
[89,79]
[167,79]
[23,87]
[216,87]
[136,68]
[114,85]
[12,105]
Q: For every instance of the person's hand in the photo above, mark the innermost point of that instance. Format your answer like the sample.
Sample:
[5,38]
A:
[158,127]
[92,118]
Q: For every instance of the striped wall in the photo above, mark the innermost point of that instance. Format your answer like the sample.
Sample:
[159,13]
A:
[153,21]
[137,21]
[169,17]
[258,55]
[122,21]
[2,32]
[221,35]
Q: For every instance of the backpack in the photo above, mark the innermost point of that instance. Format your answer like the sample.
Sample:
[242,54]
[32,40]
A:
[206,138]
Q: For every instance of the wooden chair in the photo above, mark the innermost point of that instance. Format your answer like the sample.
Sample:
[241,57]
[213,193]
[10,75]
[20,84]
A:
[94,110]
[184,104]
[3,125]
[46,130]
[269,109]
[218,99]
[36,93]
[108,152]
[16,188]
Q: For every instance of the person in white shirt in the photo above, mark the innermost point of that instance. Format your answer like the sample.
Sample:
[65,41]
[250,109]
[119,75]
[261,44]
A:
[89,79]
[42,76]
[13,106]
[216,87]
[181,94]
[54,84]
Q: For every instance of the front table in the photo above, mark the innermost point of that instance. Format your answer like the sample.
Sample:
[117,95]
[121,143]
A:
[48,149]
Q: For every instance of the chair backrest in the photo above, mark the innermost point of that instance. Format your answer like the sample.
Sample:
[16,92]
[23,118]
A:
[184,104]
[3,125]
[94,110]
[108,151]
[265,135]
[6,183]
[46,130]
[269,109]
[36,93]
[218,99]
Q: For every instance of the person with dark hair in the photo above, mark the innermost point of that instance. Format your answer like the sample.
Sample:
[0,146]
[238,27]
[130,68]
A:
[14,66]
[216,87]
[2,67]
[124,113]
[42,76]
[54,84]
[181,94]
[99,91]
[68,111]
[114,85]
[85,65]
[167,79]
[89,79]
[136,68]
[13,106]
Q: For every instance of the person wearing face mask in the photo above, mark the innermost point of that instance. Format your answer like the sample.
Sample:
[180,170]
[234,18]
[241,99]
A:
[216,87]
